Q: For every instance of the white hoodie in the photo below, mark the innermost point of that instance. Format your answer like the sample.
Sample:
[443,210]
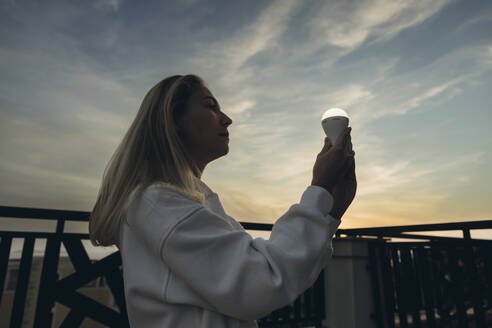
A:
[191,265]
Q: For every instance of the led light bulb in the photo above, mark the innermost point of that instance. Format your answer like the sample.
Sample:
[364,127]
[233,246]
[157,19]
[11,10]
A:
[334,121]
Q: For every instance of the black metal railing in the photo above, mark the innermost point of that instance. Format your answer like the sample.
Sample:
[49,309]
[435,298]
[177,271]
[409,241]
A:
[51,288]
[307,310]
[437,282]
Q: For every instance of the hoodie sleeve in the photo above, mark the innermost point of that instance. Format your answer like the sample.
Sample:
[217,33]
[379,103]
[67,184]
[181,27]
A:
[236,275]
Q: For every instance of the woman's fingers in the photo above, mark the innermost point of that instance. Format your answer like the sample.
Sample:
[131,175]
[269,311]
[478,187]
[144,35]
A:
[351,172]
[347,167]
[327,144]
[343,138]
[348,148]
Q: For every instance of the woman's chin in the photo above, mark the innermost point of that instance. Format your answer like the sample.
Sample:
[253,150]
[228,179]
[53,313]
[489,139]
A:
[224,151]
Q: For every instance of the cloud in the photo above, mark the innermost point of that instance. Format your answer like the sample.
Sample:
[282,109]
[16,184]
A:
[429,85]
[432,92]
[241,106]
[112,4]
[486,56]
[381,178]
[393,209]
[350,95]
[223,60]
[401,192]
[61,118]
[482,16]
[428,92]
[348,24]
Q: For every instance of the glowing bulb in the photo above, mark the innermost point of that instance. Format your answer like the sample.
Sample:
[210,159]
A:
[334,121]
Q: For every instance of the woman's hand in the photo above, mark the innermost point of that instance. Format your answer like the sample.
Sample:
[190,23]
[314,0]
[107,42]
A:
[332,161]
[344,190]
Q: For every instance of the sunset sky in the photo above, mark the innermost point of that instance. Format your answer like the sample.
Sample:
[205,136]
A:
[414,76]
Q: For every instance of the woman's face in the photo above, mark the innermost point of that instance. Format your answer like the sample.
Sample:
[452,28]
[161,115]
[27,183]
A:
[203,128]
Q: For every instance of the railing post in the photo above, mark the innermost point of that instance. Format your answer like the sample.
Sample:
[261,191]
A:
[5,245]
[49,275]
[472,271]
[349,298]
[458,286]
[22,282]
[375,268]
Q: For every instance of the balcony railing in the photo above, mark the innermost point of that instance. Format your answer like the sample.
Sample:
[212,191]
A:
[436,282]
[439,282]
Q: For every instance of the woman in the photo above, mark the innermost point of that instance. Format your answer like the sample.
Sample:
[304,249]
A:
[186,263]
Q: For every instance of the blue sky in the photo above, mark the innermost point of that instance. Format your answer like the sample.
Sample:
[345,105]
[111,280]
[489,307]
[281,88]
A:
[414,76]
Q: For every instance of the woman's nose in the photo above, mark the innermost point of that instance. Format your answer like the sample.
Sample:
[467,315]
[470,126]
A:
[226,120]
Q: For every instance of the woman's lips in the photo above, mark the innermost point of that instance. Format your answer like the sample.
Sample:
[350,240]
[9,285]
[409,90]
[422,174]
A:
[224,136]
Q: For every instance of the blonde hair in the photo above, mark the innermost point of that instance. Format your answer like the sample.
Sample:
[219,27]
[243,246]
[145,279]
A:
[151,151]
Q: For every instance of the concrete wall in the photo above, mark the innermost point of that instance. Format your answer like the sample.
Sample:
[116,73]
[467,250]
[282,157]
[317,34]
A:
[348,286]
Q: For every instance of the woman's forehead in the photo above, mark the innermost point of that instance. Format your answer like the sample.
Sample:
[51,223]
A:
[201,94]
